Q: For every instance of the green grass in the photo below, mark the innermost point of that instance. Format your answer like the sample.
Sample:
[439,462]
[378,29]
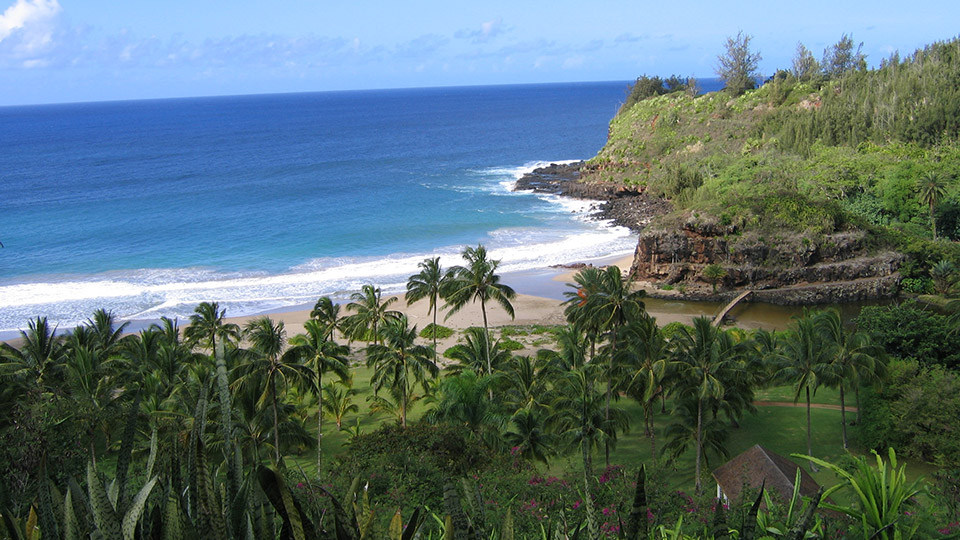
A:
[780,429]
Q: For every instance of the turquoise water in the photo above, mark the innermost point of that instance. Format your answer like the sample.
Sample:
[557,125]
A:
[261,202]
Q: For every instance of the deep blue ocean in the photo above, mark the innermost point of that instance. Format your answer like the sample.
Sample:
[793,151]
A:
[259,202]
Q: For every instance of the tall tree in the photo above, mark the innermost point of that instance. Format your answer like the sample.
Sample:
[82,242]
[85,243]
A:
[840,58]
[316,350]
[327,313]
[478,281]
[737,66]
[208,325]
[805,67]
[646,365]
[804,362]
[611,308]
[429,283]
[399,363]
[38,361]
[267,366]
[931,189]
[852,356]
[371,313]
[704,359]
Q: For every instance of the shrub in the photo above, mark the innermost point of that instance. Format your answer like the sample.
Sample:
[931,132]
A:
[432,331]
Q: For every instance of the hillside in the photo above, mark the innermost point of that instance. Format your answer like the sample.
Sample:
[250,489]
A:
[799,182]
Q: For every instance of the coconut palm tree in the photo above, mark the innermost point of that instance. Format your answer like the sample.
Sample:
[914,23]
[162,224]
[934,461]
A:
[853,358]
[473,354]
[316,350]
[327,313]
[266,366]
[461,400]
[578,416]
[338,401]
[646,365]
[931,189]
[523,382]
[587,283]
[39,360]
[609,309]
[107,334]
[705,361]
[528,436]
[208,324]
[399,363]
[371,313]
[429,283]
[804,361]
[478,281]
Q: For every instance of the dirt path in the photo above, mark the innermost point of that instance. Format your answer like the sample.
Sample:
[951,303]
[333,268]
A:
[792,404]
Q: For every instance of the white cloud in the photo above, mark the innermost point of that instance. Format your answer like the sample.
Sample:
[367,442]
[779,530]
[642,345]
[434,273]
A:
[488,30]
[27,13]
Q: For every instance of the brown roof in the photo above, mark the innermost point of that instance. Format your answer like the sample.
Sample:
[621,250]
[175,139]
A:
[751,468]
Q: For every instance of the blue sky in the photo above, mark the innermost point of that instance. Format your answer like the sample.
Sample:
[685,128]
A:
[54,51]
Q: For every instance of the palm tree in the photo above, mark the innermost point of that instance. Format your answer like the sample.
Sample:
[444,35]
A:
[647,365]
[587,283]
[105,331]
[399,363]
[473,354]
[714,273]
[39,359]
[578,416]
[327,313]
[478,281]
[267,365]
[704,359]
[529,437]
[932,188]
[853,358]
[523,382]
[371,315]
[207,325]
[429,283]
[317,351]
[804,361]
[461,400]
[609,309]
[338,401]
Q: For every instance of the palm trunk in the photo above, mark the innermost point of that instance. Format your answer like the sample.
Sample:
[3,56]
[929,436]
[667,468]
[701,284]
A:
[486,344]
[319,417]
[857,396]
[434,329]
[606,412]
[403,401]
[276,422]
[809,442]
[843,417]
[648,413]
[699,487]
[587,463]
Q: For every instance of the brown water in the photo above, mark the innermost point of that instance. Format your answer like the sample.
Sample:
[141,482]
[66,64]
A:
[745,314]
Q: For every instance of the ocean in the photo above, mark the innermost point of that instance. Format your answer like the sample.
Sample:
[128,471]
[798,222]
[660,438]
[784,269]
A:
[147,208]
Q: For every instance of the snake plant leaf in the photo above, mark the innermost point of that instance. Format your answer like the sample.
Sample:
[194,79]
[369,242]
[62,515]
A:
[104,515]
[124,457]
[344,527]
[396,526]
[71,527]
[748,531]
[506,528]
[414,525]
[132,515]
[172,519]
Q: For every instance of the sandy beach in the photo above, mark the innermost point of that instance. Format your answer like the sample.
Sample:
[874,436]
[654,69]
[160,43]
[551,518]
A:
[529,310]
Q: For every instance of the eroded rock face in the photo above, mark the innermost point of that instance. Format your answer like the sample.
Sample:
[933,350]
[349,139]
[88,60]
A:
[833,268]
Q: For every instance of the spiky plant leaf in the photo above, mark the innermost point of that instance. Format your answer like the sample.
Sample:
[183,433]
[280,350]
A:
[396,526]
[294,519]
[637,521]
[71,527]
[46,511]
[104,515]
[132,515]
[748,531]
[172,519]
[344,526]
[30,531]
[413,526]
[152,458]
[126,453]
[506,528]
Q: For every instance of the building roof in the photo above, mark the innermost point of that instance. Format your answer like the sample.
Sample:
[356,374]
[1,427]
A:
[750,469]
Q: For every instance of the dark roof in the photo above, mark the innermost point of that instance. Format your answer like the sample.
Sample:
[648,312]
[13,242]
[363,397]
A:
[751,468]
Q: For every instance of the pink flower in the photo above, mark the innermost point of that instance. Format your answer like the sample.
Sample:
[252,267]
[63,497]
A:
[577,504]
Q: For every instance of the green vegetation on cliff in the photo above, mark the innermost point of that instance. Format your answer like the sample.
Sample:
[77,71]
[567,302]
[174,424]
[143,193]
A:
[816,155]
